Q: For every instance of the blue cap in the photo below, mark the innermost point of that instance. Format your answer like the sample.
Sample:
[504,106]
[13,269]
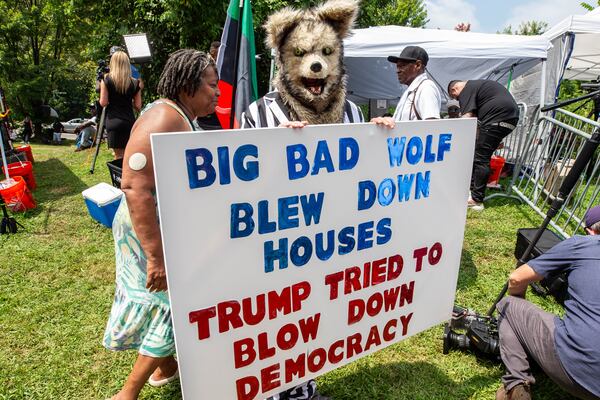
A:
[592,216]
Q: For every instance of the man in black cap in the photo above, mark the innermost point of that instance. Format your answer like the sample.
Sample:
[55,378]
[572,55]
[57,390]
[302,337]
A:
[422,99]
[497,115]
[568,348]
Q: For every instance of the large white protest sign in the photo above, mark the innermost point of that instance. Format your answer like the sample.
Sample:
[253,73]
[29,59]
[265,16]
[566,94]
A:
[293,252]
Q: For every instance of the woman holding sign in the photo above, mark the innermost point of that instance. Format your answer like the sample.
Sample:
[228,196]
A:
[140,318]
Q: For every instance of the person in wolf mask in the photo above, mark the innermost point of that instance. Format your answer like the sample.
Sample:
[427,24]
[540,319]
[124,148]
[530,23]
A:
[568,348]
[310,87]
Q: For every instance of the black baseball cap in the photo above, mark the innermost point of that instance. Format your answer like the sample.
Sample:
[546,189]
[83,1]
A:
[411,54]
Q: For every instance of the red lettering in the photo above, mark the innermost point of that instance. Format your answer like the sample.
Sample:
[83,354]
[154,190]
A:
[264,351]
[352,281]
[418,255]
[374,304]
[333,280]
[390,297]
[300,292]
[247,388]
[388,334]
[331,354]
[435,253]
[243,352]
[309,327]
[395,265]
[367,274]
[356,310]
[229,315]
[287,343]
[279,302]
[373,338]
[317,354]
[269,378]
[406,293]
[253,318]
[404,320]
[295,368]
[353,345]
[201,317]
[378,271]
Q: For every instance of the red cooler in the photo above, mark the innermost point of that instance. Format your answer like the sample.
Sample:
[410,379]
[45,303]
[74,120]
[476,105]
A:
[496,165]
[16,195]
[24,169]
[27,150]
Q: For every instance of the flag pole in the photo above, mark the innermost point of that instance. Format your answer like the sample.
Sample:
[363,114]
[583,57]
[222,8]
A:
[238,42]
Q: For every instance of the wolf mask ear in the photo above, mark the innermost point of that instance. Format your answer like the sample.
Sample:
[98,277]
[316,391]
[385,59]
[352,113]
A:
[279,24]
[340,14]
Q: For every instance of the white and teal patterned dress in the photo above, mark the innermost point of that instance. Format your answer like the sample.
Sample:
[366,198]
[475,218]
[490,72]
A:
[139,319]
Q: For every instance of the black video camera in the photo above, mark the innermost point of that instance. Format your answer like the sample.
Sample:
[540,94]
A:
[481,333]
[101,70]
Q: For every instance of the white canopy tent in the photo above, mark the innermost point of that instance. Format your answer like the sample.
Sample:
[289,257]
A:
[452,55]
[575,54]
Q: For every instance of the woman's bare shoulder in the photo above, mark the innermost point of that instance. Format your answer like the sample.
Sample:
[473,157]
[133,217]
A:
[160,118]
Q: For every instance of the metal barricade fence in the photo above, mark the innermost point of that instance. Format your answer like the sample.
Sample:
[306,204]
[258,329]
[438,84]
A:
[549,150]
[512,148]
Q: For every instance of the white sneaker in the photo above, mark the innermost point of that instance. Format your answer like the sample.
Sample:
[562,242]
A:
[475,206]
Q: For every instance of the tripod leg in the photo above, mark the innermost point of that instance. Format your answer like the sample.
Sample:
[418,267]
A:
[99,136]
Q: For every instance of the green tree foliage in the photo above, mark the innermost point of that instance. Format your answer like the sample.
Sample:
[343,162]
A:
[528,28]
[40,55]
[397,12]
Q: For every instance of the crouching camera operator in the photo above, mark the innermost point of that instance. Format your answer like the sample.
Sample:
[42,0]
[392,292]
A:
[567,349]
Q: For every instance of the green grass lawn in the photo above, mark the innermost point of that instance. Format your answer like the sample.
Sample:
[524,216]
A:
[57,284]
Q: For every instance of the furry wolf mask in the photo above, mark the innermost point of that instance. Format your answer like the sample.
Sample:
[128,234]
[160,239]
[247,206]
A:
[309,44]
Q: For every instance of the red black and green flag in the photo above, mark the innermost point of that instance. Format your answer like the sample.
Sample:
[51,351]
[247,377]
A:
[237,50]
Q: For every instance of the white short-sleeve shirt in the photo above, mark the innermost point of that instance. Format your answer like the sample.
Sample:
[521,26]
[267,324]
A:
[426,97]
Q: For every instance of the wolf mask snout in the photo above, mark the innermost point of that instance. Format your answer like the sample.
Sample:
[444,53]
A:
[316,67]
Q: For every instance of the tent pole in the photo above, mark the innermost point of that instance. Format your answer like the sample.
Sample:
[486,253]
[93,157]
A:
[543,84]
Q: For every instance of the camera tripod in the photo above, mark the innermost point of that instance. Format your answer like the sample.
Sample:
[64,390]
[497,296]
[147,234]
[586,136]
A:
[99,136]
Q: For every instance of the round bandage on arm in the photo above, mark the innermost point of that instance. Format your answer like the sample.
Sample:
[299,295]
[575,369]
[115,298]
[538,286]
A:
[137,161]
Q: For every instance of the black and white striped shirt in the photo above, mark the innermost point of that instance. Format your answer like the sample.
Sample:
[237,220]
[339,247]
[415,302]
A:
[269,112]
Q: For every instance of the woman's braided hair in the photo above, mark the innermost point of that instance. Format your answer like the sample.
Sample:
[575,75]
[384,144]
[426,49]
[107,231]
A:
[183,72]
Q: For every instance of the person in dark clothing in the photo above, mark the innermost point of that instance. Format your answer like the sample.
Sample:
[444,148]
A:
[497,116]
[27,129]
[120,94]
[568,348]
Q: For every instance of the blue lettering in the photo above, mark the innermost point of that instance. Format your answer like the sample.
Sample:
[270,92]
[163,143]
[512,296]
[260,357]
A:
[280,254]
[384,230]
[365,235]
[422,188]
[404,185]
[296,155]
[321,252]
[429,156]
[193,168]
[414,150]
[346,239]
[386,192]
[366,195]
[348,161]
[396,150]
[322,158]
[286,212]
[237,219]
[264,225]
[249,171]
[443,145]
[224,173]
[312,207]
[305,244]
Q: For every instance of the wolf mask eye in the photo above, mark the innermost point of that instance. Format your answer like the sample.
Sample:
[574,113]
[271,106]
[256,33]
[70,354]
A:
[298,52]
[327,51]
